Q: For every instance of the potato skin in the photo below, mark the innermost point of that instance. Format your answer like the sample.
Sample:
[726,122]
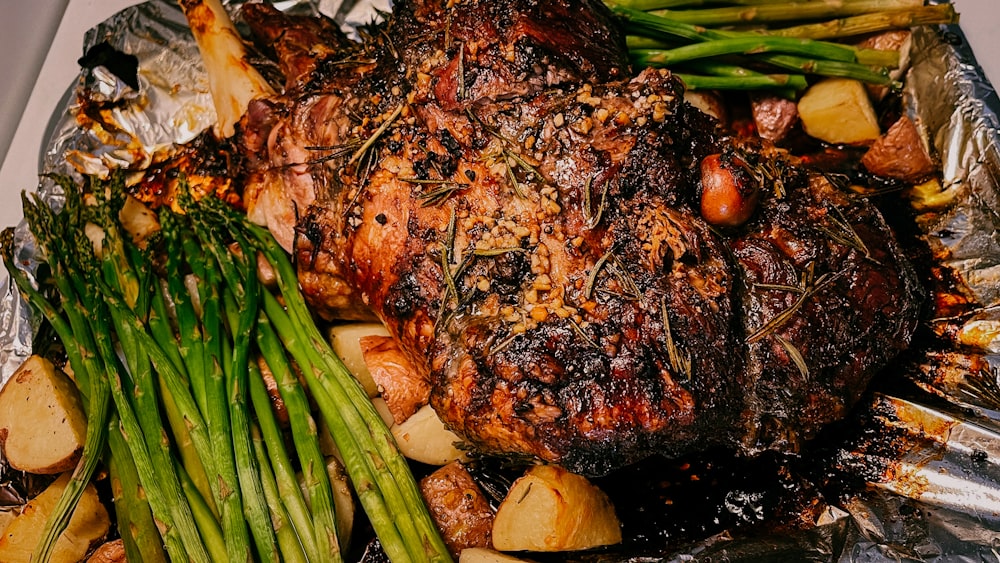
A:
[398,381]
[459,508]
[484,555]
[774,116]
[728,198]
[42,422]
[900,154]
[109,552]
[346,342]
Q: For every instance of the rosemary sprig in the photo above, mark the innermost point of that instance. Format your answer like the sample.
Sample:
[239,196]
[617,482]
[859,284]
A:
[845,233]
[588,289]
[583,335]
[370,141]
[794,354]
[808,287]
[336,151]
[438,195]
[489,252]
[591,215]
[514,182]
[678,363]
[630,290]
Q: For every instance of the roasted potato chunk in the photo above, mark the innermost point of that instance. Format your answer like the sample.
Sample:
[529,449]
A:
[483,555]
[400,384]
[459,508]
[88,525]
[838,111]
[42,422]
[774,116]
[551,509]
[423,437]
[346,342]
[900,154]
[109,552]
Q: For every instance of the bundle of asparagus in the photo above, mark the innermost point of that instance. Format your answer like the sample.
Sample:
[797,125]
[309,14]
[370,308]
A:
[167,336]
[741,44]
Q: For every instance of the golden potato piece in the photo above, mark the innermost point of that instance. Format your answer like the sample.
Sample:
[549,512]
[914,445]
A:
[424,438]
[838,111]
[551,509]
[42,425]
[138,220]
[346,342]
[88,525]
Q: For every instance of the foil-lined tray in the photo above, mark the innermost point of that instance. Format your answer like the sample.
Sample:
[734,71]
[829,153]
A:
[933,467]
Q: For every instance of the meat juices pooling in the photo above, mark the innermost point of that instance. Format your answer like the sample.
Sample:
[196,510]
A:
[522,212]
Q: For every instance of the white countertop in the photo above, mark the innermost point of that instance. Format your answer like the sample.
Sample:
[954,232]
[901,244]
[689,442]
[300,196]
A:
[44,39]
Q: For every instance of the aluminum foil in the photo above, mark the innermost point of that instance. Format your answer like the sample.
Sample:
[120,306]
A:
[933,496]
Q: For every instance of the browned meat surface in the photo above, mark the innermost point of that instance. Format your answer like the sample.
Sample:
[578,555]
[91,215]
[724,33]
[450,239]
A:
[524,216]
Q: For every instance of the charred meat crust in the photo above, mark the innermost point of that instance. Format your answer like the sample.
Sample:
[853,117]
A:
[524,218]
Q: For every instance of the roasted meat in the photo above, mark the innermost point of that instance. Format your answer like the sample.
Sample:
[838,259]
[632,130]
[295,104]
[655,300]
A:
[524,214]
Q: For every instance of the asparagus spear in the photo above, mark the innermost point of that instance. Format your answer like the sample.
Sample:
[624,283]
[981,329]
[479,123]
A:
[789,11]
[871,23]
[320,530]
[384,483]
[760,81]
[291,549]
[138,531]
[647,5]
[223,478]
[749,46]
[836,29]
[289,493]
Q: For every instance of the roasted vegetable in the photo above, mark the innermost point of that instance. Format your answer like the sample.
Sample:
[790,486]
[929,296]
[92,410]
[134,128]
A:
[195,361]
[424,438]
[551,509]
[398,381]
[109,552]
[42,422]
[484,555]
[459,507]
[900,154]
[346,342]
[88,525]
[838,111]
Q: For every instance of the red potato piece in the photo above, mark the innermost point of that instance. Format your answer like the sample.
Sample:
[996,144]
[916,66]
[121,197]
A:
[894,40]
[271,384]
[403,388]
[900,154]
[109,552]
[728,197]
[774,116]
[459,508]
